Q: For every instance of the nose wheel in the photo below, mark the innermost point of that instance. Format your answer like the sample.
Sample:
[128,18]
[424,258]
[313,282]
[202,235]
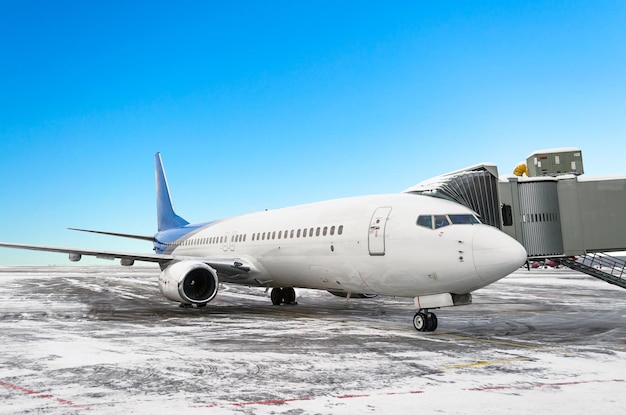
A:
[424,320]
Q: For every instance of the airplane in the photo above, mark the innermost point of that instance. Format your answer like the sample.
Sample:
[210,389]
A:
[432,250]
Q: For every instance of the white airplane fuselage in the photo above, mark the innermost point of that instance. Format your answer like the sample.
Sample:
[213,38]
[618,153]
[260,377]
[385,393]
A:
[369,244]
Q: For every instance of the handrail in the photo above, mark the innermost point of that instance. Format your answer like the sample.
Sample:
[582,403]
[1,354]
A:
[616,265]
[592,264]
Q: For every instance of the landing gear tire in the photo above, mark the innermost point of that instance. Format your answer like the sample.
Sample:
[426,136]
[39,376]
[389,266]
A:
[289,295]
[419,321]
[432,326]
[283,296]
[277,295]
[425,321]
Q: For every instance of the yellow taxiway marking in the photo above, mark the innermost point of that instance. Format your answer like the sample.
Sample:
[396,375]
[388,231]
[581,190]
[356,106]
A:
[501,342]
[484,363]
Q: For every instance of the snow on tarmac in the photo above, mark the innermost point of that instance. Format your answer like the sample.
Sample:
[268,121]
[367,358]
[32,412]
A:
[103,340]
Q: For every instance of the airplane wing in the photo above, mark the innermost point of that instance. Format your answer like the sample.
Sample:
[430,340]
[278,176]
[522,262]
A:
[225,266]
[123,235]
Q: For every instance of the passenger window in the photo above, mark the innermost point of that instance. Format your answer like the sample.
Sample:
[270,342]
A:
[340,230]
[280,233]
[425,221]
[310,232]
[325,231]
[441,221]
[291,234]
[298,233]
[317,232]
[332,230]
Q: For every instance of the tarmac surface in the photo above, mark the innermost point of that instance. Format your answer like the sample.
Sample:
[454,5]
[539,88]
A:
[104,340]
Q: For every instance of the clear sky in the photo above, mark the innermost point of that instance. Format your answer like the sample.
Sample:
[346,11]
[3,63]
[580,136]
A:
[260,105]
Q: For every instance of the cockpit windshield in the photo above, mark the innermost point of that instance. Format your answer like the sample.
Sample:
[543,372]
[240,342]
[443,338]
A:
[463,219]
[439,221]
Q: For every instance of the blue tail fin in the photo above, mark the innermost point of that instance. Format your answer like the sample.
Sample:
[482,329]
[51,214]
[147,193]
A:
[167,218]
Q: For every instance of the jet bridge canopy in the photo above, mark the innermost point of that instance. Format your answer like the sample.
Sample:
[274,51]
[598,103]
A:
[475,187]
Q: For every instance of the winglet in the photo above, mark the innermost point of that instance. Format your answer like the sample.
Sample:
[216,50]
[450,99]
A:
[166,216]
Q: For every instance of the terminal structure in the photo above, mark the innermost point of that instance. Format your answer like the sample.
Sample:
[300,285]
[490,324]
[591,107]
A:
[548,206]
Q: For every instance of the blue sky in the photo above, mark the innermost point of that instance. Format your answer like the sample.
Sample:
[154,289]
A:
[260,105]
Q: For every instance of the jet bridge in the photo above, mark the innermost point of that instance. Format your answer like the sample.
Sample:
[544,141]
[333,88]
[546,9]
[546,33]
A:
[554,212]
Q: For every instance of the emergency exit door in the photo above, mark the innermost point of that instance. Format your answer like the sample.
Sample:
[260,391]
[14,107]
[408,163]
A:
[378,223]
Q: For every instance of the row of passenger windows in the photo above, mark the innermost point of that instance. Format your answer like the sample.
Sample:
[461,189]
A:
[439,221]
[299,233]
[262,236]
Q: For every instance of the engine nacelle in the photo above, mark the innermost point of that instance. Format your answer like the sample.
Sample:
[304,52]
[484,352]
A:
[189,282]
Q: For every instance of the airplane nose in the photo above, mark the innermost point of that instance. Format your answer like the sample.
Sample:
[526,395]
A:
[496,254]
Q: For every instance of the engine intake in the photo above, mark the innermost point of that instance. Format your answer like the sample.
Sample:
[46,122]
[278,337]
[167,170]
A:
[189,282]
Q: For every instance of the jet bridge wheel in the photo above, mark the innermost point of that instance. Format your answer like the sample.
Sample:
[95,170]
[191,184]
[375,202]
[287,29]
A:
[425,321]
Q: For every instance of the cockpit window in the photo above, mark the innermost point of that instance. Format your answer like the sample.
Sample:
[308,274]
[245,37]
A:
[463,219]
[441,221]
[425,220]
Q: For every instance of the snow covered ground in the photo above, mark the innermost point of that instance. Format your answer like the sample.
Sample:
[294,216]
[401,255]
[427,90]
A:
[103,340]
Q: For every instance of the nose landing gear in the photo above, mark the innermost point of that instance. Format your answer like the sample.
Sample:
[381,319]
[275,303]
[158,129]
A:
[424,320]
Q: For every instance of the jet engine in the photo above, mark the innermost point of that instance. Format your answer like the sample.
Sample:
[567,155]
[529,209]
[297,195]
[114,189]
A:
[189,282]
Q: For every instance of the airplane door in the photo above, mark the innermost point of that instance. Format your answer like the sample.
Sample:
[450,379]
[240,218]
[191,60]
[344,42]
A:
[376,238]
[226,243]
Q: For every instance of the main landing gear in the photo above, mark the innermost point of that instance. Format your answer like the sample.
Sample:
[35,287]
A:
[283,296]
[424,320]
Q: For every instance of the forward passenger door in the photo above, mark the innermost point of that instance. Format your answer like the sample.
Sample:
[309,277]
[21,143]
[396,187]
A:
[378,223]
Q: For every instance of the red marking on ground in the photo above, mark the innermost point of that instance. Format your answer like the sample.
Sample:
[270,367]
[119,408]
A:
[541,385]
[351,396]
[283,401]
[270,402]
[43,395]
